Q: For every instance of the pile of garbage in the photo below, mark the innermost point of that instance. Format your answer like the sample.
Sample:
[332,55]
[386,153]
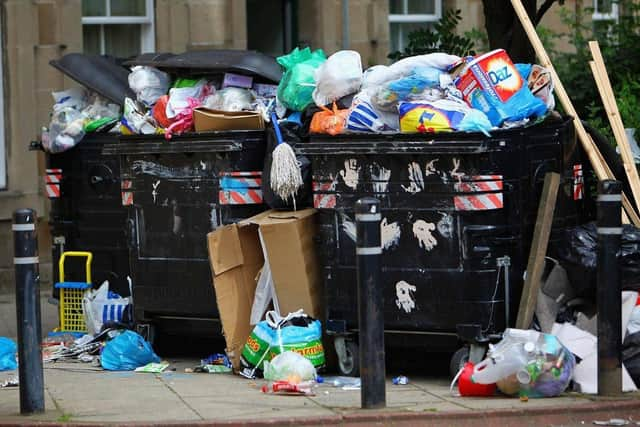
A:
[167,107]
[426,93]
[436,92]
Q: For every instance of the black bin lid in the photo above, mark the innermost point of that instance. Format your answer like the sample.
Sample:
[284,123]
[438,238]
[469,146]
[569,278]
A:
[102,74]
[200,62]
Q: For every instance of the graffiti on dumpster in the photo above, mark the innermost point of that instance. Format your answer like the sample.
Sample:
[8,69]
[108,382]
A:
[445,225]
[422,231]
[154,193]
[404,296]
[430,168]
[416,180]
[390,234]
[380,178]
[350,173]
[455,172]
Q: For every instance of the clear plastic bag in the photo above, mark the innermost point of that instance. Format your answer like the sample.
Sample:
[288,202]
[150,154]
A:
[527,362]
[148,83]
[289,366]
[65,130]
[230,99]
[338,76]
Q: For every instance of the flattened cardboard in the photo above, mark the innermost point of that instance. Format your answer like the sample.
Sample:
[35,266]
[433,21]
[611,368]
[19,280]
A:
[206,119]
[236,257]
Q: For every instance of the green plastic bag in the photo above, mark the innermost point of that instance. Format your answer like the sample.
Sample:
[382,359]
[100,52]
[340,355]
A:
[296,87]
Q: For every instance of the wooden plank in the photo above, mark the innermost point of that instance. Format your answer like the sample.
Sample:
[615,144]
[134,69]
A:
[559,89]
[600,167]
[609,101]
[535,265]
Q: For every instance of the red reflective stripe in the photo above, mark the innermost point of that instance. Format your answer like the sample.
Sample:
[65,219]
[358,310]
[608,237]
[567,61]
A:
[497,202]
[222,198]
[255,196]
[236,197]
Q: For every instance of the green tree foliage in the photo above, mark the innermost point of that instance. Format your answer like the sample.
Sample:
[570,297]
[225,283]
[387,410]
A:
[442,38]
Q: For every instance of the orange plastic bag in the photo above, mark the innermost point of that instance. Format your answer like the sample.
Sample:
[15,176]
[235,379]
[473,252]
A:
[329,121]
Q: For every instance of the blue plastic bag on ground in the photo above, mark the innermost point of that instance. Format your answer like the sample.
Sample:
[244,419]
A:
[126,352]
[8,354]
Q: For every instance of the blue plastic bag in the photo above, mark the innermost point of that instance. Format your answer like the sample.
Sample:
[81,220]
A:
[8,354]
[127,352]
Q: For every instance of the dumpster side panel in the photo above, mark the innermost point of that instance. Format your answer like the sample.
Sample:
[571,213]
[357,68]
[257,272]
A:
[86,214]
[451,206]
[176,199]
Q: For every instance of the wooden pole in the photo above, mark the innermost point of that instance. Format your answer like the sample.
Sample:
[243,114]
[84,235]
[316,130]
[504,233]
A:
[535,265]
[608,99]
[600,167]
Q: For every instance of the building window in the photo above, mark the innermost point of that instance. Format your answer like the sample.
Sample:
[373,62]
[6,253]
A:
[112,27]
[605,10]
[408,15]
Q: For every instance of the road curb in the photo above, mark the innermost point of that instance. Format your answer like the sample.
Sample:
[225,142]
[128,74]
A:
[583,414]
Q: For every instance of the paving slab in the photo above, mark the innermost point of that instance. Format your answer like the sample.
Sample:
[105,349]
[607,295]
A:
[80,393]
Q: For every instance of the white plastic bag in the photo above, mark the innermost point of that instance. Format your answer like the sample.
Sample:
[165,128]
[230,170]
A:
[100,307]
[148,83]
[179,98]
[74,97]
[338,76]
[289,366]
[265,290]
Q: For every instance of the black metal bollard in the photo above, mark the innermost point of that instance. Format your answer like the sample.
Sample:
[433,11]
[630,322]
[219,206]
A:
[370,303]
[609,288]
[28,311]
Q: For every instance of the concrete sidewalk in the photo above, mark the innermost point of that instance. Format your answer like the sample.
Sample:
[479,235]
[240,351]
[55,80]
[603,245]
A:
[79,393]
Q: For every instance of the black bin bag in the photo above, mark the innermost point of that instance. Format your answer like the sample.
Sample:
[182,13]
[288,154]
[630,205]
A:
[577,253]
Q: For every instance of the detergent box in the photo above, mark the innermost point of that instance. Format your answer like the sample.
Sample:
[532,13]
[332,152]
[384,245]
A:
[492,84]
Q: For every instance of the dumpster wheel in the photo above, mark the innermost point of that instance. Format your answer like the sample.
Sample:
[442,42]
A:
[348,357]
[459,358]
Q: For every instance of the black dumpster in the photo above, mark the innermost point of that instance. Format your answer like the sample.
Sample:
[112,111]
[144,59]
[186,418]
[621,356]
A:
[83,186]
[180,189]
[458,213]
[177,192]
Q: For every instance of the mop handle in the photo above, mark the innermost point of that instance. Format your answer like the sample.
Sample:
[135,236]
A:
[274,120]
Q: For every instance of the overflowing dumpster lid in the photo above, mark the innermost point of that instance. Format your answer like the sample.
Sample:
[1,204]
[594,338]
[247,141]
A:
[224,60]
[102,74]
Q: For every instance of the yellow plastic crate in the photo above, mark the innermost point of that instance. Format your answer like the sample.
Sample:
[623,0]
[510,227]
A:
[71,294]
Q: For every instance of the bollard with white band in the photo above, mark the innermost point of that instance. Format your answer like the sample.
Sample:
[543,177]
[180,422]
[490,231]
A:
[609,229]
[28,311]
[370,303]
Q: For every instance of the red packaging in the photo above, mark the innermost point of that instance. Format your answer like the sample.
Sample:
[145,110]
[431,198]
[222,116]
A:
[466,387]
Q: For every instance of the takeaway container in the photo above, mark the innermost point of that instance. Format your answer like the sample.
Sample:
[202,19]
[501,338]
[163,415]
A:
[458,211]
[180,189]
[83,185]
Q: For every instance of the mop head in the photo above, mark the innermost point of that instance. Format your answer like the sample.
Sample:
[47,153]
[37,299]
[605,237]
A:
[286,176]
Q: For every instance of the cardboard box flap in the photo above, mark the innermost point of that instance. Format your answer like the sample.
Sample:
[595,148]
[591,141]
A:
[278,217]
[225,251]
[221,113]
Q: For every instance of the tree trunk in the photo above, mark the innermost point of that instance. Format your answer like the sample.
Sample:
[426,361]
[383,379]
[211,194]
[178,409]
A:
[504,29]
